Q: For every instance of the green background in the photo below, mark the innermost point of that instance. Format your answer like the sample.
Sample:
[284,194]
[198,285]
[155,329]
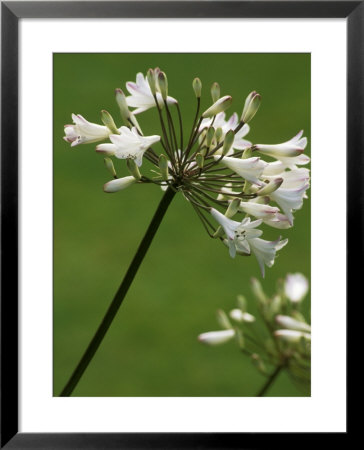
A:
[151,348]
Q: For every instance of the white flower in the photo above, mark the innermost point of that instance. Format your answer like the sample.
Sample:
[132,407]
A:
[279,221]
[295,287]
[293,147]
[242,237]
[141,96]
[128,145]
[292,178]
[250,169]
[84,132]
[289,199]
[216,337]
[292,324]
[259,210]
[119,184]
[239,143]
[239,316]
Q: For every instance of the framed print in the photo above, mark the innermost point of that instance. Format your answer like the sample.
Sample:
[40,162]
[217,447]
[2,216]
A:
[177,210]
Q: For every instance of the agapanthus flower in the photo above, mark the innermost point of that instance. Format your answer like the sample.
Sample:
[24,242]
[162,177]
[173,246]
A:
[288,345]
[215,169]
[141,96]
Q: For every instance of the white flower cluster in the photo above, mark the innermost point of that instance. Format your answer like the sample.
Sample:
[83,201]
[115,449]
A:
[289,342]
[216,165]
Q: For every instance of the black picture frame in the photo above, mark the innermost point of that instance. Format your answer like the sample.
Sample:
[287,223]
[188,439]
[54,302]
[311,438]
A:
[11,12]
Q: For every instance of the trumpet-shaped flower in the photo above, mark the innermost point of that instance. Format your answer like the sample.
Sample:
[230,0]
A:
[259,210]
[239,143]
[84,132]
[250,169]
[295,287]
[293,147]
[289,322]
[141,96]
[289,199]
[279,221]
[128,145]
[243,237]
[292,179]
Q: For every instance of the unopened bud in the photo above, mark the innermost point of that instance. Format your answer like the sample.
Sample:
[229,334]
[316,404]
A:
[233,208]
[251,106]
[163,166]
[292,324]
[200,160]
[218,134]
[197,87]
[270,187]
[221,105]
[123,106]
[133,168]
[119,184]
[163,85]
[247,153]
[258,291]
[210,135]
[242,303]
[216,337]
[215,92]
[108,121]
[223,320]
[110,166]
[152,81]
[259,364]
[292,336]
[228,142]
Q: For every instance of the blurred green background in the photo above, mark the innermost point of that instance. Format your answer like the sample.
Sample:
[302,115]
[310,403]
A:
[151,348]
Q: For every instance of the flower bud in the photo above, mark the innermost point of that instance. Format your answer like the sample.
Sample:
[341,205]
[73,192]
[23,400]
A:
[251,106]
[247,153]
[270,187]
[221,105]
[241,301]
[259,364]
[292,324]
[110,166]
[152,81]
[258,291]
[218,134]
[209,136]
[123,106]
[197,87]
[200,160]
[216,337]
[215,92]
[108,121]
[228,142]
[239,316]
[223,320]
[119,184]
[292,336]
[233,208]
[163,85]
[163,166]
[133,168]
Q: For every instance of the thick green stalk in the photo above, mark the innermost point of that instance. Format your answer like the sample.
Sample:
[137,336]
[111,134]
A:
[120,294]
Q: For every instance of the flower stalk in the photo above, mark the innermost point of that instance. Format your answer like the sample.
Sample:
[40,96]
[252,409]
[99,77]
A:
[120,294]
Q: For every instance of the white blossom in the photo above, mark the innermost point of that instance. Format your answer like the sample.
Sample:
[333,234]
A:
[295,287]
[84,132]
[293,147]
[250,169]
[216,337]
[141,96]
[119,184]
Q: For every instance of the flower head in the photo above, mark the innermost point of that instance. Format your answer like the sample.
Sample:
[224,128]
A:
[216,166]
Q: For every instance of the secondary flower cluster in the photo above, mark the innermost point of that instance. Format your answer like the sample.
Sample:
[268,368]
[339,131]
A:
[280,338]
[216,165]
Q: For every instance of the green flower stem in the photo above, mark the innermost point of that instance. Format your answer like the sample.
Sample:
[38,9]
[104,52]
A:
[120,294]
[269,382]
